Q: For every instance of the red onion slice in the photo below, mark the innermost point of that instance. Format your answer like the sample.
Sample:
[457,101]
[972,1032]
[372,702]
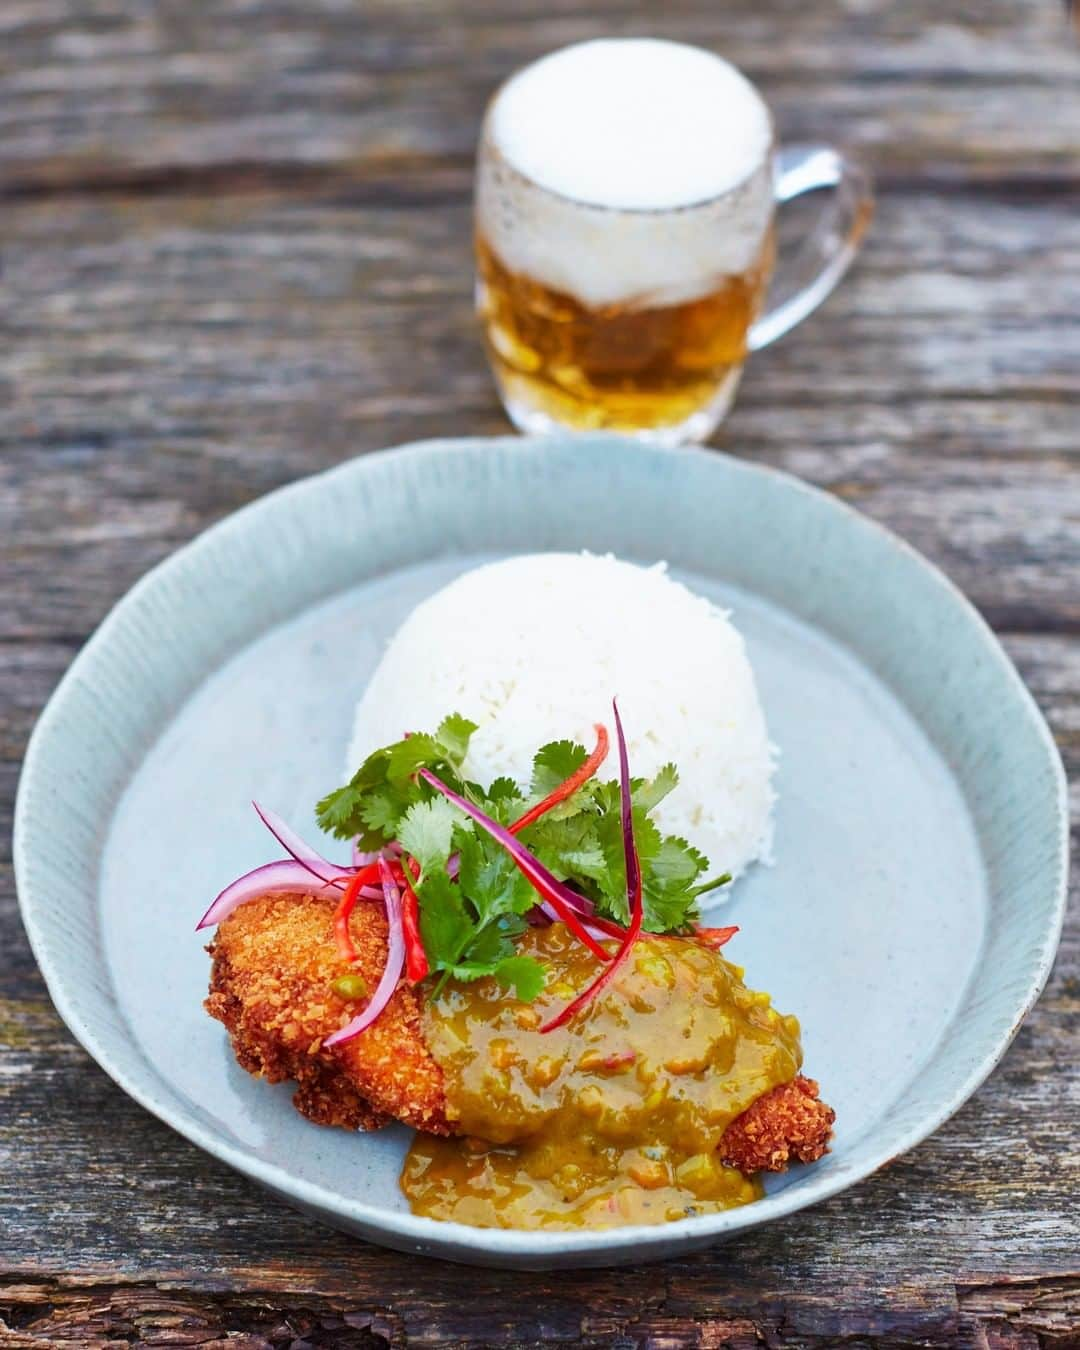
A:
[580,904]
[630,853]
[286,876]
[395,962]
[592,922]
[302,851]
[544,915]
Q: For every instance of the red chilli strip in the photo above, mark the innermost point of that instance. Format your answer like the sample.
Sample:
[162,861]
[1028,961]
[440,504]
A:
[395,960]
[570,785]
[416,962]
[366,876]
[633,892]
[542,880]
[715,937]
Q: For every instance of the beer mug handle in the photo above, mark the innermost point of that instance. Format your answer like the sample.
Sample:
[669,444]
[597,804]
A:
[802,283]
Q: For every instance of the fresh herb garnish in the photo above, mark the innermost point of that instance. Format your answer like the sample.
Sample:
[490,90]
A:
[472,897]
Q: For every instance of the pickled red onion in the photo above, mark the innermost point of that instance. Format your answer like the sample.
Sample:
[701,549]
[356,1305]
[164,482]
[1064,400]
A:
[286,876]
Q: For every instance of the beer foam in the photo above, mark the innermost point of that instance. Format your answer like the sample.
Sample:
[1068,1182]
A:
[632,124]
[627,170]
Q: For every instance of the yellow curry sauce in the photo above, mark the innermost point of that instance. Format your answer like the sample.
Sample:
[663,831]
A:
[613,1119]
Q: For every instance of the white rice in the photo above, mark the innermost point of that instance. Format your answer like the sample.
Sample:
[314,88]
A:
[533,649]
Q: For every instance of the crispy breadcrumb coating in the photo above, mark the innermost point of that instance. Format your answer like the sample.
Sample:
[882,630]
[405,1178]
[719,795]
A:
[787,1124]
[275,960]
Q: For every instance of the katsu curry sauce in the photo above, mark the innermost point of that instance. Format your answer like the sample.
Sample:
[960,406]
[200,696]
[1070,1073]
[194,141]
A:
[612,1119]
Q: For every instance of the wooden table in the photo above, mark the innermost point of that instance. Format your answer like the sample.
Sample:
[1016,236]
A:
[235,248]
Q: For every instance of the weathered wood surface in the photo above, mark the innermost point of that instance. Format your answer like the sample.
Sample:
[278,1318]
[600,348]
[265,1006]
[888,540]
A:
[234,242]
[111,90]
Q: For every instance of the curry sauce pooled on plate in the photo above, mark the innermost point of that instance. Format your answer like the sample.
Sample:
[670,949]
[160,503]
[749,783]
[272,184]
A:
[613,1118]
[520,973]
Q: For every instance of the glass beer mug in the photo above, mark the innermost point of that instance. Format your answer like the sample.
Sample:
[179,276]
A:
[625,199]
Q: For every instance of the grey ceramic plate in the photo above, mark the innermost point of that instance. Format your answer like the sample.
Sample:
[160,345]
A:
[910,918]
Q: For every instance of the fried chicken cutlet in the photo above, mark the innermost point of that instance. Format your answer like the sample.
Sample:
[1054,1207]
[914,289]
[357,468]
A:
[274,964]
[275,961]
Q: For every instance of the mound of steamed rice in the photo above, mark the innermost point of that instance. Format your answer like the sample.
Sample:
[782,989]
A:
[533,649]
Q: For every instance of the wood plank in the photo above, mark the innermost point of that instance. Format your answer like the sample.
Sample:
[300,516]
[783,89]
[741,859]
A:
[99,93]
[1021,1313]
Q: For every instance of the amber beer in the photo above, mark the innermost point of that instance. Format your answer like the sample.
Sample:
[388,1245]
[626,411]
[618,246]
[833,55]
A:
[628,367]
[624,236]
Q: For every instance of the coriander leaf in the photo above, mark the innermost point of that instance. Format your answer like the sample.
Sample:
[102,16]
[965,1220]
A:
[574,805]
[512,925]
[576,832]
[524,974]
[670,900]
[554,763]
[583,862]
[468,971]
[612,899]
[504,789]
[667,911]
[425,831]
[453,735]
[569,848]
[381,809]
[505,810]
[345,813]
[489,946]
[677,863]
[490,877]
[445,925]
[373,770]
[646,836]
[649,793]
[609,833]
[417,752]
[336,812]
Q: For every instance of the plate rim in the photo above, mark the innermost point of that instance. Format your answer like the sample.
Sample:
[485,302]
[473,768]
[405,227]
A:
[503,1246]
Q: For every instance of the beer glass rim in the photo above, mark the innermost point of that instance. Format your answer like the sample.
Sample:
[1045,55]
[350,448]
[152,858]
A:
[489,148]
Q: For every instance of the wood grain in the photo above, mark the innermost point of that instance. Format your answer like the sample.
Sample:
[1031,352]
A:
[114,91]
[234,241]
